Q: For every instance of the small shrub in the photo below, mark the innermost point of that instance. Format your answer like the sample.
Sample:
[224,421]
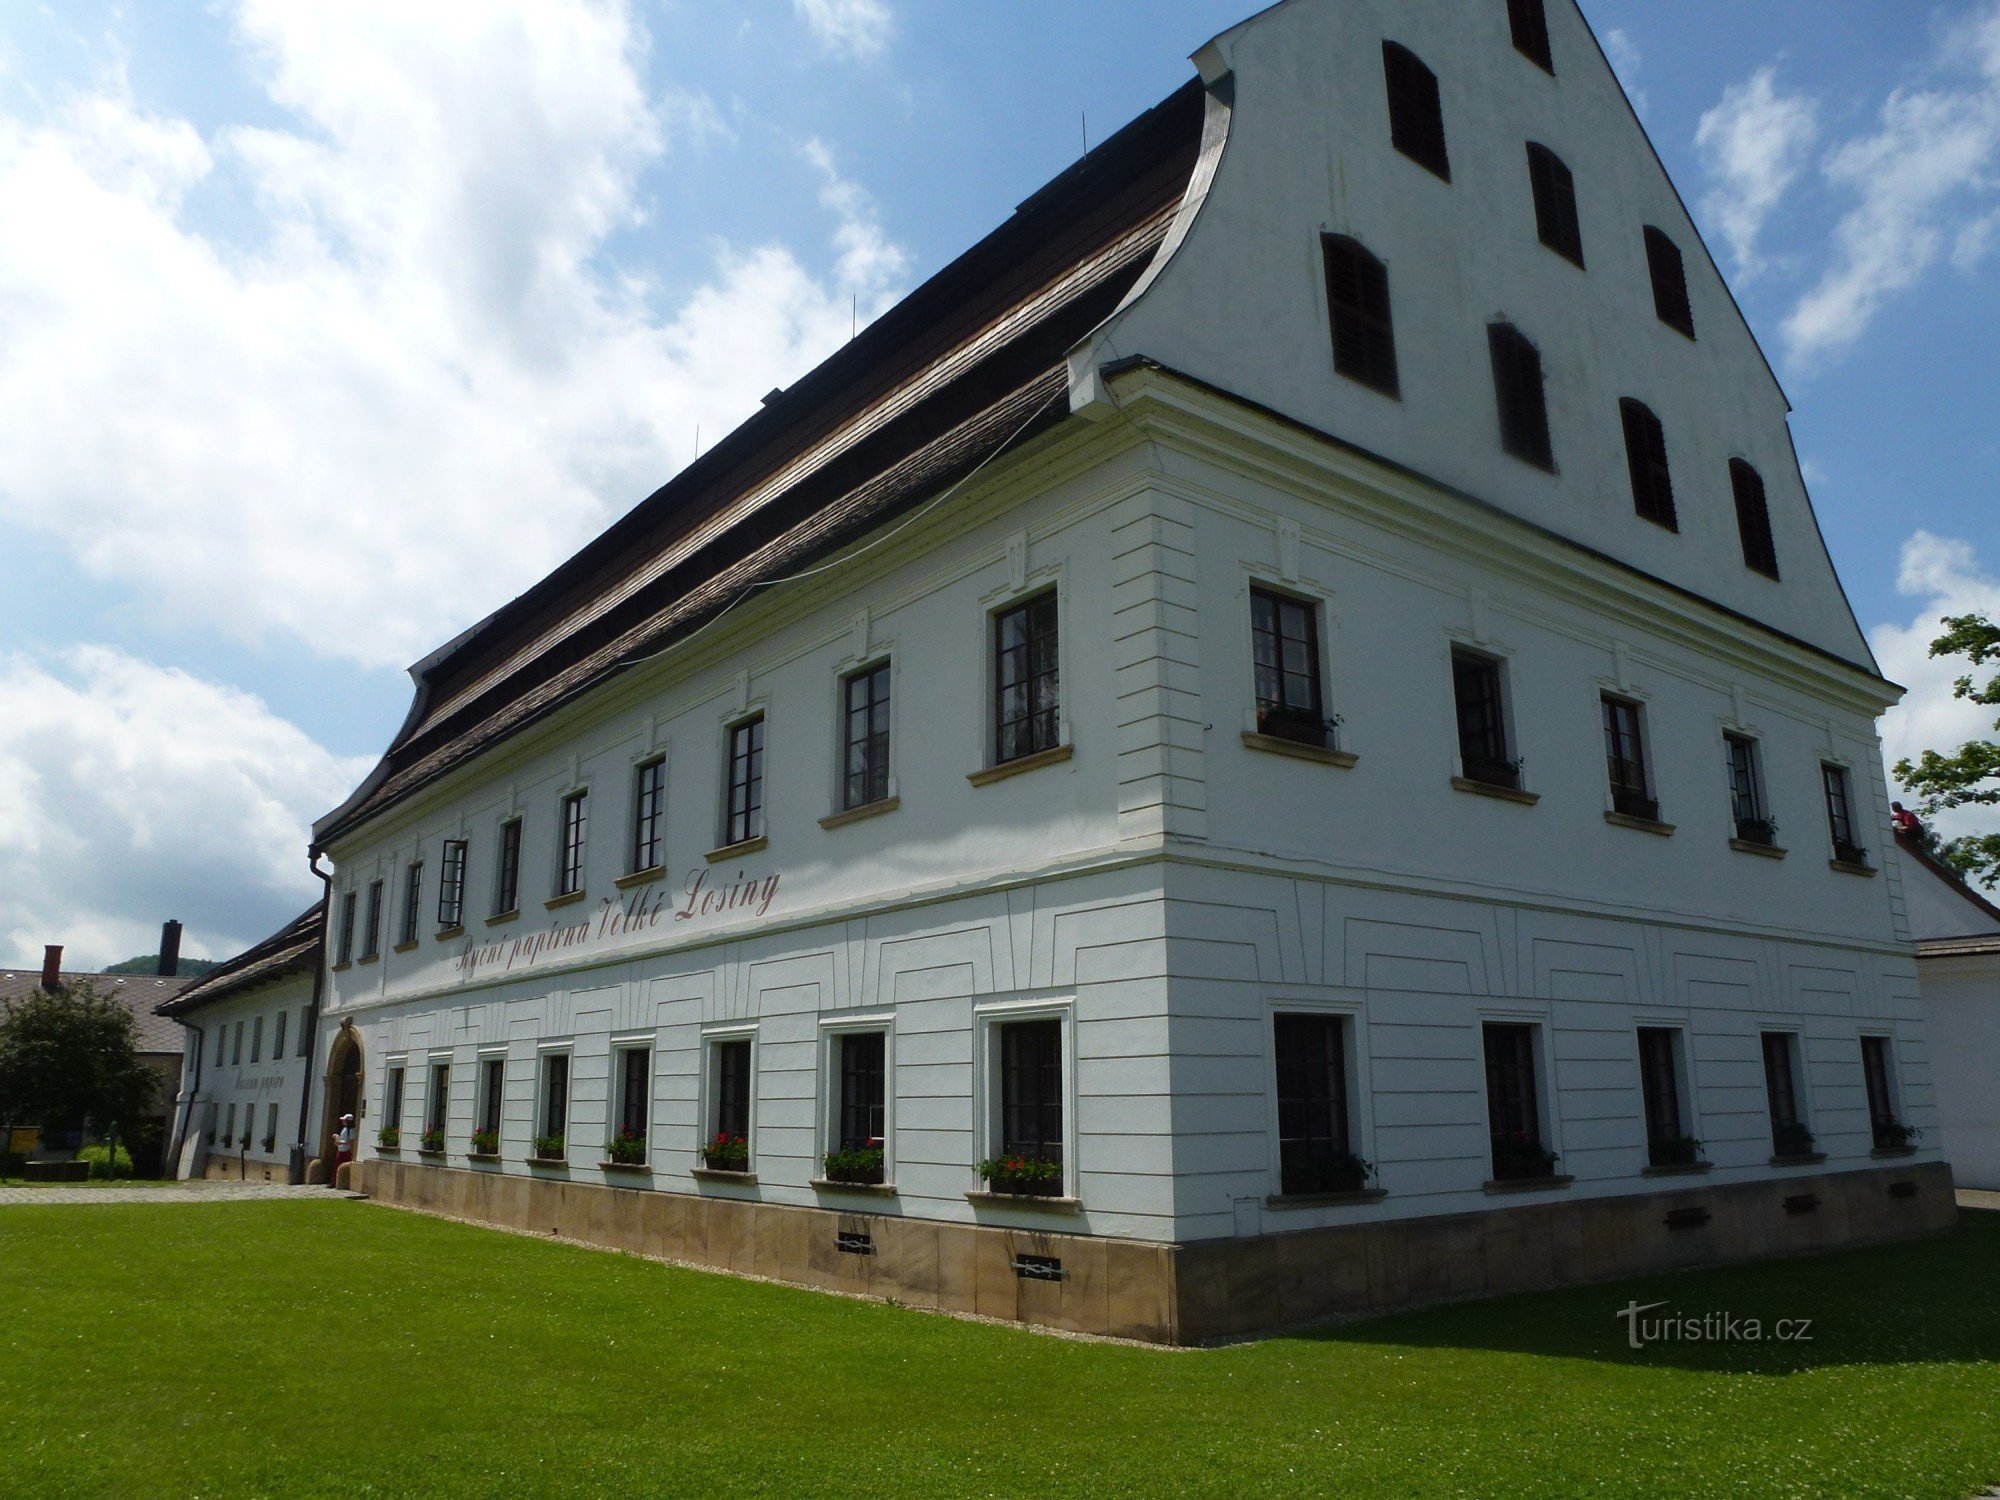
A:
[627,1148]
[102,1167]
[433,1140]
[1792,1140]
[1676,1151]
[549,1147]
[1894,1134]
[389,1138]
[1029,1176]
[485,1143]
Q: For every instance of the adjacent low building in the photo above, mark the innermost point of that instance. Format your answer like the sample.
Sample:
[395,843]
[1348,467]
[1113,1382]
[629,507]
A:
[1958,967]
[247,1033]
[1277,739]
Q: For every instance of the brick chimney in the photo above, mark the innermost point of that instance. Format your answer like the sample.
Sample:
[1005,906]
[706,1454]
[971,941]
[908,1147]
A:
[170,949]
[52,967]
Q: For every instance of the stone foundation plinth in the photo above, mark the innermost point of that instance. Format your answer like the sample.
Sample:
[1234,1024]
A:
[1208,1290]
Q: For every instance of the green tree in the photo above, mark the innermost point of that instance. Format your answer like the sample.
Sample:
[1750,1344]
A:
[68,1057]
[1970,776]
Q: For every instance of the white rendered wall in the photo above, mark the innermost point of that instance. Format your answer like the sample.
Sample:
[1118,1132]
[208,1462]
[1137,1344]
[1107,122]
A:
[255,1086]
[1962,1012]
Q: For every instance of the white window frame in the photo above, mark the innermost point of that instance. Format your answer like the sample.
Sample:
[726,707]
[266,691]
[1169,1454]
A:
[566,1049]
[1549,1117]
[432,1063]
[987,1020]
[1801,1084]
[614,1093]
[737,1031]
[878,655]
[1684,1082]
[1641,702]
[1894,1074]
[652,755]
[1052,579]
[591,810]
[832,1030]
[1503,657]
[490,1054]
[735,719]
[1305,591]
[1360,1090]
[391,1067]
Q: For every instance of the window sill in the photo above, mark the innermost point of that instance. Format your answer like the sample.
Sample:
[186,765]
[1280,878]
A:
[482,1156]
[568,898]
[1883,1153]
[410,947]
[641,877]
[738,850]
[1273,744]
[717,1174]
[549,1161]
[342,968]
[1487,789]
[1766,851]
[626,1166]
[1808,1159]
[446,934]
[388,1150]
[504,916]
[983,1199]
[1847,868]
[869,1189]
[1021,765]
[430,1155]
[862,813]
[1325,1200]
[1685,1169]
[1643,825]
[1529,1184]
[369,958]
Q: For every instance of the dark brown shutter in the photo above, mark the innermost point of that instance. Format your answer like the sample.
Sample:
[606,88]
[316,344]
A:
[1753,518]
[1646,456]
[1531,32]
[1357,295]
[1670,291]
[1517,387]
[1416,113]
[1555,203]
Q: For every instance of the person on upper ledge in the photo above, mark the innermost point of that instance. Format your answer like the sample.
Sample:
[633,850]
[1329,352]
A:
[1905,821]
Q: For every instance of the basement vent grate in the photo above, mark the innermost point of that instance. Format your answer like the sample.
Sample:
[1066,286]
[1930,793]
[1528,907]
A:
[1038,1268]
[1801,1203]
[854,1242]
[1687,1218]
[1902,1190]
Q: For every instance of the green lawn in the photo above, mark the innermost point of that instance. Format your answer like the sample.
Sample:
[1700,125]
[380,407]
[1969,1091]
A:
[341,1348]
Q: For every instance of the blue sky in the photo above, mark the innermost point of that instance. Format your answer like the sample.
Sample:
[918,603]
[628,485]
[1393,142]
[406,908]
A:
[324,333]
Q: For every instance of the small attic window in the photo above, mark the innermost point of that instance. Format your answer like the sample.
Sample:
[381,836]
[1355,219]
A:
[1753,519]
[1531,33]
[1416,113]
[1357,297]
[1670,288]
[1646,456]
[1518,389]
[1555,203]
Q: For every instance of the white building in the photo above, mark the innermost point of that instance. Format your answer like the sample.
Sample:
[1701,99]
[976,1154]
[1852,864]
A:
[1958,966]
[1295,688]
[248,1030]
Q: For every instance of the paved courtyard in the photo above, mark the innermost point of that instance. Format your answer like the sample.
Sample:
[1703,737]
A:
[165,1192]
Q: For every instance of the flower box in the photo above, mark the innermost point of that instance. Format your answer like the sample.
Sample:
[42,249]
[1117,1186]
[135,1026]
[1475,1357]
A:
[1500,773]
[1636,805]
[1022,1176]
[1674,1151]
[1763,831]
[1849,853]
[485,1143]
[1894,1135]
[724,1152]
[1791,1140]
[1521,1158]
[433,1142]
[857,1167]
[389,1138]
[1299,725]
[626,1149]
[1318,1173]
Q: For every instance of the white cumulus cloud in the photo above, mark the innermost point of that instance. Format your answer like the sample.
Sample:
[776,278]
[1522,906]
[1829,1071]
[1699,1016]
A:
[1922,184]
[852,28]
[1947,577]
[130,793]
[406,381]
[1753,144]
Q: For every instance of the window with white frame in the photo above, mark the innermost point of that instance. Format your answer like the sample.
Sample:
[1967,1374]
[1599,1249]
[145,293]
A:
[730,1099]
[1840,820]
[743,815]
[236,1048]
[1514,1102]
[1027,1127]
[371,934]
[1747,807]
[229,1129]
[1670,1141]
[436,1104]
[1791,1135]
[857,1133]
[413,902]
[633,1083]
[344,946]
[865,736]
[1310,1052]
[492,1094]
[1027,679]
[451,886]
[1285,658]
[649,808]
[574,825]
[552,1107]
[507,870]
[392,1099]
[278,1034]
[270,1128]
[305,1030]
[1878,1073]
[256,1039]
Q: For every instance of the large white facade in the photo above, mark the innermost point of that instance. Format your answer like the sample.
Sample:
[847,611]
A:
[1169,880]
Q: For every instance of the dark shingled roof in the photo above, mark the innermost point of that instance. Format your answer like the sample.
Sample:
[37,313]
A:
[970,362]
[139,993]
[292,949]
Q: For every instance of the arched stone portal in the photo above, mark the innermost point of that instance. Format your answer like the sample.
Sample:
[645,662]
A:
[343,1091]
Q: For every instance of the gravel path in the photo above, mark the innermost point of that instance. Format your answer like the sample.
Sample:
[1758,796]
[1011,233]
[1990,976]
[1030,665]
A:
[165,1192]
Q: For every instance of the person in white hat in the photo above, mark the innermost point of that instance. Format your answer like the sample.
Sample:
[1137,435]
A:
[343,1147]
